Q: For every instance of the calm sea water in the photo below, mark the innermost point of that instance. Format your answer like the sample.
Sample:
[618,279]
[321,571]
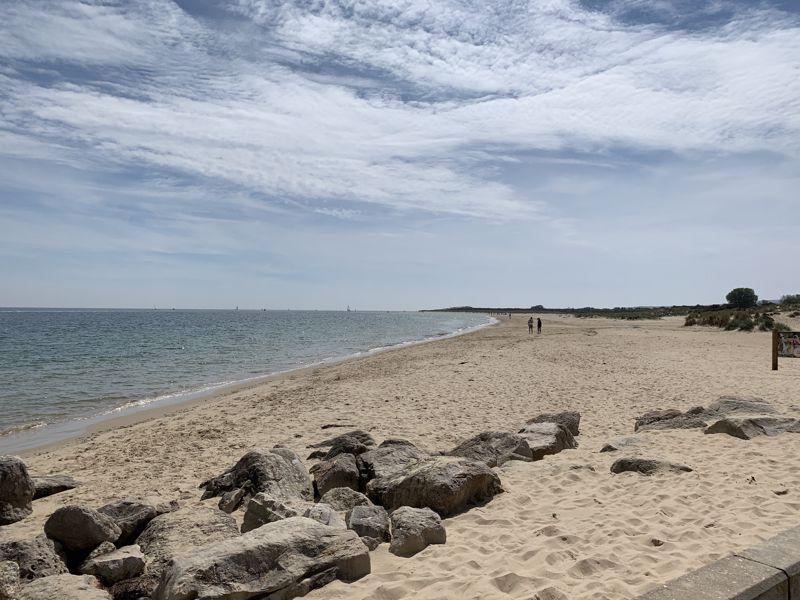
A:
[59,366]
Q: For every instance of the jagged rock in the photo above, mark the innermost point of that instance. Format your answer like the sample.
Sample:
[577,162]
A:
[131,515]
[80,528]
[730,405]
[167,507]
[371,543]
[47,485]
[340,471]
[263,508]
[647,466]
[361,436]
[232,500]
[749,427]
[671,419]
[16,490]
[570,419]
[171,534]
[369,521]
[36,557]
[547,438]
[343,499]
[391,457]
[64,587]
[280,560]
[493,448]
[9,580]
[414,529]
[325,514]
[317,455]
[125,563]
[279,472]
[346,445]
[104,548]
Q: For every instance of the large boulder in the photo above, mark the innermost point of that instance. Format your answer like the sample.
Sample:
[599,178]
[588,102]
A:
[263,508]
[340,471]
[390,458]
[64,587]
[47,485]
[547,438]
[343,499]
[446,484]
[124,563]
[16,490]
[671,419]
[347,445]
[325,514]
[494,448]
[360,436]
[647,466]
[80,528]
[571,419]
[279,472]
[370,522]
[747,428]
[414,529]
[131,516]
[281,560]
[737,405]
[36,557]
[171,534]
[9,580]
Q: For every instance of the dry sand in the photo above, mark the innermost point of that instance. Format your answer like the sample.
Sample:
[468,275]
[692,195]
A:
[565,527]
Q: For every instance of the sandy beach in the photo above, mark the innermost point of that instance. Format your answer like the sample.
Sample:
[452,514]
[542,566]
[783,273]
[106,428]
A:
[565,526]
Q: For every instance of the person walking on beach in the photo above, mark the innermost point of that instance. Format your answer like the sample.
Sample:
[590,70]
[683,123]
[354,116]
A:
[530,325]
[538,325]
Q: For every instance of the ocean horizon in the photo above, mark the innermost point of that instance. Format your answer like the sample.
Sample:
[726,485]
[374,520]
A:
[65,369]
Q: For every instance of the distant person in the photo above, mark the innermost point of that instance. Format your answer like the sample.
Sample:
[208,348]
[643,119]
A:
[530,325]
[538,325]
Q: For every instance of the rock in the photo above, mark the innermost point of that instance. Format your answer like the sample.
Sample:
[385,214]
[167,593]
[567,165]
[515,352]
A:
[570,419]
[654,416]
[414,529]
[346,445]
[357,434]
[448,485]
[36,557]
[279,472]
[230,501]
[125,563]
[16,490]
[369,521]
[9,580]
[343,499]
[340,471]
[131,515]
[728,405]
[317,455]
[167,507]
[619,444]
[671,419]
[391,457]
[493,448]
[280,560]
[47,485]
[325,514]
[80,528]
[647,466]
[104,548]
[371,543]
[547,438]
[747,428]
[174,533]
[64,587]
[263,509]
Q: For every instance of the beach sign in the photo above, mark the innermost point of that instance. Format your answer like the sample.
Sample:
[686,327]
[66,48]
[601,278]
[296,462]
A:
[785,344]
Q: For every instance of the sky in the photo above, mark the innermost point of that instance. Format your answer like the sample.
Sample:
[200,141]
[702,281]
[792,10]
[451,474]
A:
[397,154]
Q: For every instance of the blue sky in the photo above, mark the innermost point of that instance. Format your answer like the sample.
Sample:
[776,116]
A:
[397,153]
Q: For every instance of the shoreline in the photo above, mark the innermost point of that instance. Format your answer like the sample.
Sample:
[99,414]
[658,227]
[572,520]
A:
[132,412]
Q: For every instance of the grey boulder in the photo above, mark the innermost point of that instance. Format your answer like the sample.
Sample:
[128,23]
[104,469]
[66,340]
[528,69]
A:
[64,587]
[369,521]
[493,448]
[414,529]
[671,419]
[263,508]
[80,528]
[280,560]
[570,419]
[545,439]
[358,435]
[47,485]
[647,466]
[340,471]
[347,445]
[124,563]
[36,557]
[325,514]
[131,516]
[16,490]
[747,428]
[343,499]
[9,580]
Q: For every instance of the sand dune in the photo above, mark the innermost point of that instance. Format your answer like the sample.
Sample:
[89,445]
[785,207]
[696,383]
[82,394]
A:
[565,527]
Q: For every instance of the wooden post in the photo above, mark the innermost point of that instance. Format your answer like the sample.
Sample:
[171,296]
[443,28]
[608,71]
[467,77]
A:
[775,335]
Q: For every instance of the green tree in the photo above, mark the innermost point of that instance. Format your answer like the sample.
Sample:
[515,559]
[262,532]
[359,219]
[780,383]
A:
[790,299]
[742,298]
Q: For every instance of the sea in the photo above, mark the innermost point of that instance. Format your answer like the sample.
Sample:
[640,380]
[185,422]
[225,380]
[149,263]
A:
[64,370]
